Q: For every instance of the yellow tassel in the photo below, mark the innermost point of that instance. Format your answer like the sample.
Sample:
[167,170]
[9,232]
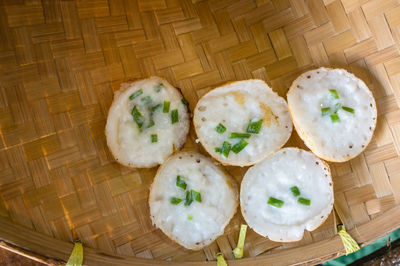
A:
[350,245]
[238,251]
[76,258]
[220,260]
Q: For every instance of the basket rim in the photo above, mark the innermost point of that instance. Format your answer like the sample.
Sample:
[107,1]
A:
[32,243]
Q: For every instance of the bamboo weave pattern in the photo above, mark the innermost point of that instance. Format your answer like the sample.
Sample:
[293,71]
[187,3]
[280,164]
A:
[60,62]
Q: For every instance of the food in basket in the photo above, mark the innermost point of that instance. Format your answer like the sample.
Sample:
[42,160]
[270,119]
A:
[147,121]
[334,113]
[192,199]
[286,193]
[242,122]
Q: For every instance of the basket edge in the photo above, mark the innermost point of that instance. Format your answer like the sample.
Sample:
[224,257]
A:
[32,244]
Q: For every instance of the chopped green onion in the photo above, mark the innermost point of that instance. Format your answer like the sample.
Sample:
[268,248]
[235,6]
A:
[136,94]
[348,109]
[175,200]
[137,117]
[336,108]
[220,128]
[225,149]
[188,198]
[335,118]
[239,146]
[146,100]
[158,87]
[155,107]
[304,201]
[154,138]
[166,107]
[183,100]
[180,182]
[190,217]
[254,127]
[325,111]
[151,123]
[295,190]
[275,202]
[195,195]
[334,94]
[152,110]
[235,135]
[174,116]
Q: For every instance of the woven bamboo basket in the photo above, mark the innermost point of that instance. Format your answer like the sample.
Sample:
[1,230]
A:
[60,62]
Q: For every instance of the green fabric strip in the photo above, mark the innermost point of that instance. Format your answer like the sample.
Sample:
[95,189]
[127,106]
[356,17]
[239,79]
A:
[364,251]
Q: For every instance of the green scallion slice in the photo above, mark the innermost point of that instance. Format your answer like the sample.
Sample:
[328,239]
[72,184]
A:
[335,118]
[225,149]
[336,108]
[195,195]
[146,100]
[183,100]
[137,117]
[190,217]
[325,111]
[254,126]
[175,200]
[174,116]
[151,123]
[334,94]
[152,110]
[217,149]
[304,201]
[188,198]
[136,94]
[155,107]
[275,202]
[166,107]
[235,135]
[220,128]
[180,182]
[154,138]
[239,146]
[295,191]
[348,109]
[158,87]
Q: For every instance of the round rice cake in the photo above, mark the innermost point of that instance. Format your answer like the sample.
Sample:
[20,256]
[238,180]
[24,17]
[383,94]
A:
[192,199]
[148,120]
[286,193]
[334,113]
[242,122]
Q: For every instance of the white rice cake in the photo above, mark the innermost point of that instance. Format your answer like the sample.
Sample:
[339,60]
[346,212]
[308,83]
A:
[141,131]
[334,113]
[233,106]
[192,224]
[274,178]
